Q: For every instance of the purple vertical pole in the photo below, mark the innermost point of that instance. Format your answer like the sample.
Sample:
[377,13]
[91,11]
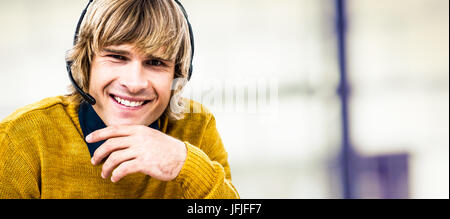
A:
[346,156]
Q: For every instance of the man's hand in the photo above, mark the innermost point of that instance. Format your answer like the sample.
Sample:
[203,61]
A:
[132,149]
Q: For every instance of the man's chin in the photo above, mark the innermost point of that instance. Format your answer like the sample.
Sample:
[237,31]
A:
[120,122]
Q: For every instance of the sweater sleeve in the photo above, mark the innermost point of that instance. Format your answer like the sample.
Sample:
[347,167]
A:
[18,179]
[206,172]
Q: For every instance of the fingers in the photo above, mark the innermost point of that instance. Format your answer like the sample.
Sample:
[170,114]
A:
[115,159]
[110,132]
[109,147]
[125,168]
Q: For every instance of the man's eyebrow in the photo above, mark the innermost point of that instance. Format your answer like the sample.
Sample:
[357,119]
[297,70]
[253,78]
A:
[119,52]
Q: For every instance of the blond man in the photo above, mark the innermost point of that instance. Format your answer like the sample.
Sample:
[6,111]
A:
[136,137]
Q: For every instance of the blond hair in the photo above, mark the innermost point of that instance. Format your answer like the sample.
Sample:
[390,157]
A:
[147,24]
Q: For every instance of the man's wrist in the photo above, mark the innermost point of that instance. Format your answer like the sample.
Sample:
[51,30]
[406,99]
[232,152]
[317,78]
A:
[198,174]
[182,156]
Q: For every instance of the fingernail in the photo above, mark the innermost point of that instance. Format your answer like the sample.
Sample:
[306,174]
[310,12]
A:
[92,161]
[88,138]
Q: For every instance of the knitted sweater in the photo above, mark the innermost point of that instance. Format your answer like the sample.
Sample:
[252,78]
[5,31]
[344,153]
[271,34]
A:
[43,155]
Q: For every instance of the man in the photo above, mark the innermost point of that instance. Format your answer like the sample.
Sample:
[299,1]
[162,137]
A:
[139,138]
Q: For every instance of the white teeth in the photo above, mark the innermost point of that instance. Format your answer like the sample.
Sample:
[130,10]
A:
[128,103]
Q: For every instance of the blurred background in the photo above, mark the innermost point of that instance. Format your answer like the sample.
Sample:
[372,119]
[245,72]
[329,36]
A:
[313,98]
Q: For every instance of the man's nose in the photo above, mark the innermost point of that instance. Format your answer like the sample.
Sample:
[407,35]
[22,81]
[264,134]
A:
[134,78]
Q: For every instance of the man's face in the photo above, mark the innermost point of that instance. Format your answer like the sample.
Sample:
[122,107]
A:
[130,88]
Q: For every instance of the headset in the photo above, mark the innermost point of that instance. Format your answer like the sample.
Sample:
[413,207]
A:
[87,96]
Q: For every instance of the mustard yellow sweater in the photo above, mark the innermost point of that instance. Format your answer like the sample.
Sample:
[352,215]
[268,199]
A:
[43,155]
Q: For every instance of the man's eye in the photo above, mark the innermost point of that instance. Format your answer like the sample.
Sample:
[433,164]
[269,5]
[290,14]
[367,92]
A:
[155,62]
[118,57]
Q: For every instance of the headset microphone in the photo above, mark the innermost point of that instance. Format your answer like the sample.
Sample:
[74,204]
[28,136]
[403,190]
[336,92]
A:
[87,96]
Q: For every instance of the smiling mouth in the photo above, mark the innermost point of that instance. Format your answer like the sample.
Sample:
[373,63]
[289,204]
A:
[129,103]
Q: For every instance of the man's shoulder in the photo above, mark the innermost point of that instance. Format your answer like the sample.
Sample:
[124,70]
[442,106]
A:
[196,111]
[194,124]
[195,116]
[46,109]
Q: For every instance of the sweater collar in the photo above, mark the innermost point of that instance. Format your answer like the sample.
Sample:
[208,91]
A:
[90,122]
